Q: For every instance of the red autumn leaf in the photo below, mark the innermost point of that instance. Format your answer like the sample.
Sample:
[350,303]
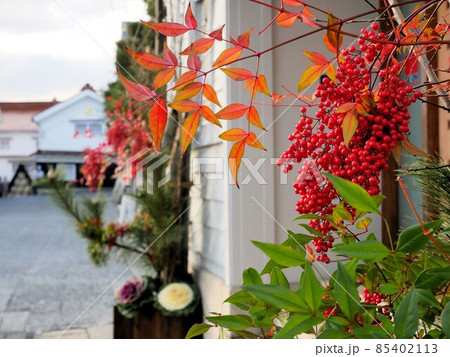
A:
[217,34]
[235,157]
[287,19]
[233,134]
[185,106]
[185,78]
[149,61]
[310,75]
[189,129]
[227,56]
[261,85]
[232,111]
[189,18]
[244,39]
[411,65]
[209,115]
[253,117]
[210,94]
[193,62]
[200,46]
[135,90]
[387,49]
[238,74]
[316,57]
[327,43]
[157,120]
[169,56]
[334,38]
[163,77]
[252,140]
[349,126]
[172,29]
[189,90]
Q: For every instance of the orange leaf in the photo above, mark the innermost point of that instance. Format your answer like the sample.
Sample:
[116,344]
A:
[287,19]
[235,157]
[167,28]
[209,115]
[334,38]
[233,134]
[210,94]
[232,111]
[412,149]
[189,90]
[157,120]
[163,77]
[227,56]
[238,74]
[345,108]
[261,85]
[316,57]
[189,129]
[200,46]
[294,3]
[244,39]
[135,90]
[217,34]
[184,106]
[149,61]
[310,75]
[277,97]
[308,21]
[252,140]
[328,45]
[185,78]
[193,62]
[189,18]
[349,126]
[330,72]
[253,117]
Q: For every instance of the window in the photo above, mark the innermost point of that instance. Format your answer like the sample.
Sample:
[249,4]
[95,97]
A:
[91,128]
[4,144]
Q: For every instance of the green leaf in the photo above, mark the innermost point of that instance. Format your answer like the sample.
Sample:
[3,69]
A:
[235,322]
[198,329]
[333,334]
[312,290]
[445,319]
[269,266]
[244,334]
[296,325]
[388,289]
[372,332]
[353,194]
[308,216]
[364,223]
[340,212]
[300,238]
[278,278]
[406,319]
[413,239]
[277,296]
[282,255]
[311,230]
[241,299]
[251,276]
[432,278]
[368,250]
[426,298]
[346,294]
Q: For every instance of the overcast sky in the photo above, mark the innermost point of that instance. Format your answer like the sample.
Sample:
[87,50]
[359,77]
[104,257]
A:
[45,52]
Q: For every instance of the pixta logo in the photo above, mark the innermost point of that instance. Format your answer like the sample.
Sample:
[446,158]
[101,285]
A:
[145,170]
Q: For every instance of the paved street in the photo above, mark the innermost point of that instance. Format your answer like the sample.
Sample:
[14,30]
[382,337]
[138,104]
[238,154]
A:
[46,278]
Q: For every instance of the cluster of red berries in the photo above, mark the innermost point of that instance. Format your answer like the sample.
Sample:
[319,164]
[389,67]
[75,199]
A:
[375,298]
[322,246]
[318,144]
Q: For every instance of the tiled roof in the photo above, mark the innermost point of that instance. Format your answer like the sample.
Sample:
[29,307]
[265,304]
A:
[17,116]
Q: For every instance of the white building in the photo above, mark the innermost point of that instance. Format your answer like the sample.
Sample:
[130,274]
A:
[67,129]
[18,136]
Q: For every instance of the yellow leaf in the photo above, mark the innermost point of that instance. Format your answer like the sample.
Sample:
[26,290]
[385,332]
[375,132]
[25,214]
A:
[235,157]
[349,126]
[310,75]
[189,129]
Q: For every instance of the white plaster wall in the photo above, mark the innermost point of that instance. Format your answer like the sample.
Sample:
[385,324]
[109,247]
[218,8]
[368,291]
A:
[21,146]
